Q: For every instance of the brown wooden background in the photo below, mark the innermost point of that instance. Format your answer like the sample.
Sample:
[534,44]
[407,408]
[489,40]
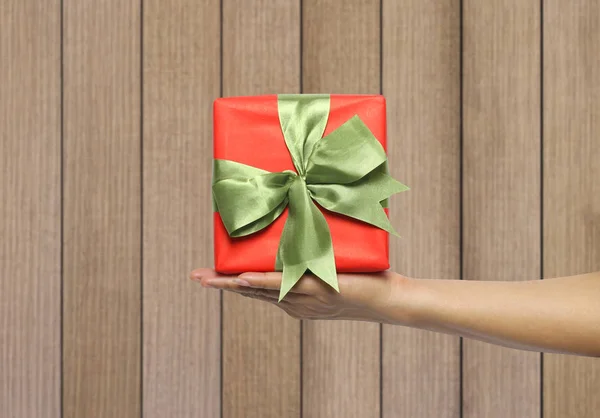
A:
[105,124]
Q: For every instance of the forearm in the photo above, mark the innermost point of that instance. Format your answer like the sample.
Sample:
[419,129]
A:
[552,315]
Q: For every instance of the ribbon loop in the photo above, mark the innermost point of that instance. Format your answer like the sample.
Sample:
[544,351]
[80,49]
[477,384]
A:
[354,149]
[248,199]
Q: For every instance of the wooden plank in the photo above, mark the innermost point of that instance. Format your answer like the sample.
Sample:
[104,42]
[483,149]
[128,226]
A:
[181,321]
[261,344]
[571,183]
[421,82]
[102,209]
[341,361]
[501,188]
[30,208]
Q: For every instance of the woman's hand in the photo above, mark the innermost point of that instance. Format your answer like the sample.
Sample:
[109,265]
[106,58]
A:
[362,297]
[553,315]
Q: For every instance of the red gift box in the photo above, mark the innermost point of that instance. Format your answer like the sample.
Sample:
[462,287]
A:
[247,130]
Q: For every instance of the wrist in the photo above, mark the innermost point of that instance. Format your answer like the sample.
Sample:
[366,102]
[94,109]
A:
[405,301]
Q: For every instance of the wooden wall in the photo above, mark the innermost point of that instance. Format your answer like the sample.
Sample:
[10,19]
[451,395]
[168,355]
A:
[105,167]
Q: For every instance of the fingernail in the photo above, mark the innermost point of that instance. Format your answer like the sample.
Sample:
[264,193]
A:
[241,282]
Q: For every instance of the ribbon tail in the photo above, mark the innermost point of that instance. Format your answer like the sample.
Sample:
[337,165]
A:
[323,268]
[291,275]
[305,243]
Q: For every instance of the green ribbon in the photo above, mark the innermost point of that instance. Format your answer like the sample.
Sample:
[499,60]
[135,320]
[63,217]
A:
[345,172]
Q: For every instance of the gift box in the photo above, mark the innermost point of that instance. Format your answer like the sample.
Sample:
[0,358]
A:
[300,182]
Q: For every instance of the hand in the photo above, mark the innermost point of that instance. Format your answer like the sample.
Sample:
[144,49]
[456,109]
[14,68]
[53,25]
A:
[554,315]
[362,297]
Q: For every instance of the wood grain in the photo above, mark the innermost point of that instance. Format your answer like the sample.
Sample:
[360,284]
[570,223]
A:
[341,359]
[501,188]
[421,82]
[102,208]
[182,325]
[30,208]
[261,344]
[571,183]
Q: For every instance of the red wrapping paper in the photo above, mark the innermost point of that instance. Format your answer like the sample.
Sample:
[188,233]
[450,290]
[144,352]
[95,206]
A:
[247,130]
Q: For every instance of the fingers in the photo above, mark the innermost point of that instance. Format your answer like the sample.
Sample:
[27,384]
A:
[200,273]
[270,295]
[308,284]
[210,278]
[264,289]
[207,276]
[305,301]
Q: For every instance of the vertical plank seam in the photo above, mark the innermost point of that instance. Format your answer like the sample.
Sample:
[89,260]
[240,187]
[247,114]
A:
[301,333]
[541,400]
[62,210]
[381,92]
[141,86]
[461,195]
[301,83]
[221,383]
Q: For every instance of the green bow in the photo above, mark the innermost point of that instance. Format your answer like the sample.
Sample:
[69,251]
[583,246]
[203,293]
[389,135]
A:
[345,172]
